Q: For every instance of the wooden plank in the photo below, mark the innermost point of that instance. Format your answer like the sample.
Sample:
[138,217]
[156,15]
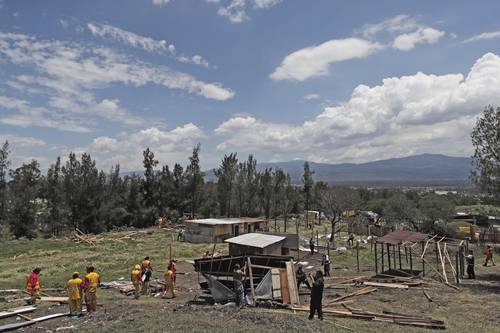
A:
[285,293]
[442,262]
[275,278]
[249,266]
[292,283]
[15,326]
[386,285]
[16,311]
[54,299]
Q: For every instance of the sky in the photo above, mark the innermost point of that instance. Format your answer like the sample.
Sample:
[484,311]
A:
[320,80]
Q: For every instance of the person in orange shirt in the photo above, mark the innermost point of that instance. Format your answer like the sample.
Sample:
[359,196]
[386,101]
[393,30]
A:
[147,272]
[75,295]
[169,282]
[489,255]
[135,277]
[33,285]
[90,285]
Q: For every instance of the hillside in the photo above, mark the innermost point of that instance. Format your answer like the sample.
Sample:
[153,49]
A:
[425,169]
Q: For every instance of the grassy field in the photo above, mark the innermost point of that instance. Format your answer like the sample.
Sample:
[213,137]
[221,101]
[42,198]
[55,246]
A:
[472,309]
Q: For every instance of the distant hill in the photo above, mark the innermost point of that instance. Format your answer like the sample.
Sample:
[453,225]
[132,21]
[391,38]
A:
[425,169]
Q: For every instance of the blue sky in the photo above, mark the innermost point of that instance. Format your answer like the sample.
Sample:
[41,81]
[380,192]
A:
[328,81]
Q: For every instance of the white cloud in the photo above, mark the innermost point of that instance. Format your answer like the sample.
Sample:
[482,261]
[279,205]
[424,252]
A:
[266,3]
[310,97]
[484,36]
[396,24]
[21,141]
[234,11]
[69,73]
[146,43]
[406,115]
[315,60]
[160,2]
[406,42]
[30,116]
[126,149]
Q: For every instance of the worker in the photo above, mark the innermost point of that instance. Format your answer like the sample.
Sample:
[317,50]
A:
[316,295]
[326,264]
[90,285]
[311,245]
[180,235]
[238,275]
[75,295]
[350,240]
[302,278]
[33,285]
[169,282]
[470,265]
[147,272]
[135,277]
[206,254]
[173,266]
[489,255]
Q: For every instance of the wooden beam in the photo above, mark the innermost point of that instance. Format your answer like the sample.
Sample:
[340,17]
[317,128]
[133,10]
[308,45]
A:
[249,263]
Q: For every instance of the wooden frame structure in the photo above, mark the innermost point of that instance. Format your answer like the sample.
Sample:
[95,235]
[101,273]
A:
[411,253]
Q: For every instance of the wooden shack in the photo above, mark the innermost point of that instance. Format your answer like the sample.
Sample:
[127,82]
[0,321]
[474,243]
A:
[217,230]
[255,243]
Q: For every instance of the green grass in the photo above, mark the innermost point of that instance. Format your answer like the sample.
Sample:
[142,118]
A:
[488,210]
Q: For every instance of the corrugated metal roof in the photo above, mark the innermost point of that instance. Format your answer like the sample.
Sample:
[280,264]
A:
[236,220]
[400,236]
[255,240]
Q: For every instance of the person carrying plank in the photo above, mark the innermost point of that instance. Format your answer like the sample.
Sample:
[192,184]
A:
[316,295]
[33,285]
[75,295]
[135,277]
[90,285]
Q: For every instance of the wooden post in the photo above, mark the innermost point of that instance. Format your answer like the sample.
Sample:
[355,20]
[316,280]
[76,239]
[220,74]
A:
[317,240]
[399,253]
[458,269]
[298,240]
[394,255]
[212,261]
[382,258]
[328,248]
[437,257]
[411,260]
[251,280]
[389,256]
[357,254]
[376,260]
[423,261]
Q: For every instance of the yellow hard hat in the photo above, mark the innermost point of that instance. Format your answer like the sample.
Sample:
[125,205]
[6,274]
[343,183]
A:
[137,267]
[76,273]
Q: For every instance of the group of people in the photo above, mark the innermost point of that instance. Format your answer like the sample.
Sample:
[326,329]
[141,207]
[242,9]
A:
[78,289]
[471,261]
[141,276]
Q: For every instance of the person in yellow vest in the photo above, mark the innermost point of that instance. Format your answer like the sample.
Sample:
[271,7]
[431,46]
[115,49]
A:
[90,285]
[147,272]
[135,277]
[75,295]
[169,282]
[33,285]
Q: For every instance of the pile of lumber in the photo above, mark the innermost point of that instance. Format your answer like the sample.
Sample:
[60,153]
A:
[81,237]
[363,291]
[385,316]
[392,281]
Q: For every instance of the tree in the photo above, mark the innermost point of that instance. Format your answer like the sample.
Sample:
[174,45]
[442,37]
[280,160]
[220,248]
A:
[24,186]
[72,188]
[338,200]
[433,208]
[399,209]
[148,185]
[307,189]
[266,191]
[226,174]
[53,194]
[194,180]
[486,159]
[279,179]
[4,169]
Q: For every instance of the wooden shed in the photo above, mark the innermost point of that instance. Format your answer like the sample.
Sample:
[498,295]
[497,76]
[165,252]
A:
[255,243]
[217,230]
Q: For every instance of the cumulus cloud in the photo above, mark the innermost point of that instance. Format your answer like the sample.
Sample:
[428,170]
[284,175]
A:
[405,115]
[236,10]
[126,149]
[266,3]
[396,24]
[161,2]
[310,97]
[408,41]
[484,36]
[314,61]
[69,74]
[21,141]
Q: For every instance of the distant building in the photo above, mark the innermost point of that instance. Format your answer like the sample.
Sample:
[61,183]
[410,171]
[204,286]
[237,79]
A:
[217,230]
[255,243]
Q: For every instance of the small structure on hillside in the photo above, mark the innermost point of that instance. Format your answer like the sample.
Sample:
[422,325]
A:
[255,243]
[217,230]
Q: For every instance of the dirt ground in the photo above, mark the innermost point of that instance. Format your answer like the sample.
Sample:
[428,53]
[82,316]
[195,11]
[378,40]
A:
[472,309]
